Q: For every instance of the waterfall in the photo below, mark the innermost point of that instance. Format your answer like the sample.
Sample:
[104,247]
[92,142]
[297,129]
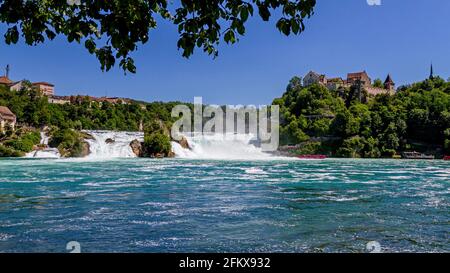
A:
[220,146]
[44,138]
[44,152]
[110,144]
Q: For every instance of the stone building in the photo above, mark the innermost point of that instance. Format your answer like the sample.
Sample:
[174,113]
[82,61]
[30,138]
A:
[313,77]
[335,83]
[6,118]
[361,80]
[389,84]
[47,89]
[5,81]
[59,99]
[359,77]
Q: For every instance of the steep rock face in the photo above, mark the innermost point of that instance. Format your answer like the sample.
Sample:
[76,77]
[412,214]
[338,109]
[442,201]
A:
[136,146]
[85,149]
[184,143]
[109,141]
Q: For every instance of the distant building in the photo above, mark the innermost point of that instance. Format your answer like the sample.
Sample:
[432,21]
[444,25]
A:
[5,81]
[335,83]
[47,89]
[59,99]
[313,78]
[6,118]
[16,86]
[361,80]
[389,84]
[113,100]
[362,77]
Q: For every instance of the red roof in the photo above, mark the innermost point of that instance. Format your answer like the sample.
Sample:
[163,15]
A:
[5,80]
[356,75]
[6,113]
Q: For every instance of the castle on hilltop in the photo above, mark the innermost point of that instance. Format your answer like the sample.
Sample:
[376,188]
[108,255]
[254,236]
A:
[358,79]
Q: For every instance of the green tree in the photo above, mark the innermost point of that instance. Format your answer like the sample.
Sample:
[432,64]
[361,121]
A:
[156,144]
[378,83]
[112,29]
[351,147]
[447,141]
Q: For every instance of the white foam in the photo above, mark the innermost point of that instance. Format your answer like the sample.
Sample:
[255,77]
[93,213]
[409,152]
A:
[119,148]
[45,153]
[222,147]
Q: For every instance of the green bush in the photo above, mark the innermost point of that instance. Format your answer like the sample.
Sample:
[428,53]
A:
[9,152]
[310,148]
[68,142]
[351,147]
[156,143]
[24,143]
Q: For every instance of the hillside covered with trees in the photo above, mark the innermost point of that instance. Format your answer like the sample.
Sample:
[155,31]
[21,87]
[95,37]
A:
[314,120]
[65,121]
[339,123]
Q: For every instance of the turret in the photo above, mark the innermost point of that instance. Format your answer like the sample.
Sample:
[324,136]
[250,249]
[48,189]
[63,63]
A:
[389,83]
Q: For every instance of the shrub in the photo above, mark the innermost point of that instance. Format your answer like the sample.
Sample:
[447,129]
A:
[310,148]
[156,143]
[24,143]
[68,142]
[351,147]
[9,152]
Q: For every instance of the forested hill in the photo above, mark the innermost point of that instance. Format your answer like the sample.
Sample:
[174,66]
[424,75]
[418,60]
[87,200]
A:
[313,120]
[338,123]
[64,122]
[34,110]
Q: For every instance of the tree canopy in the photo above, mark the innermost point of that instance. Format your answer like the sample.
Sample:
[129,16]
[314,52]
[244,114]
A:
[112,29]
[320,120]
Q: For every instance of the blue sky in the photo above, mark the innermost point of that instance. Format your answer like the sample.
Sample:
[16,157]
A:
[400,37]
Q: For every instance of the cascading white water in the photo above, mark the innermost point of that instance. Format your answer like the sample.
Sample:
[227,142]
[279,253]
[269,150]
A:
[44,138]
[111,144]
[46,152]
[118,146]
[219,146]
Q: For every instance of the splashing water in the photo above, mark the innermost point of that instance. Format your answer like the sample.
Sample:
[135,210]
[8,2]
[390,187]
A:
[44,153]
[182,205]
[221,146]
[119,146]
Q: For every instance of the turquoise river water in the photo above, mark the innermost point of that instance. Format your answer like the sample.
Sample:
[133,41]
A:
[182,205]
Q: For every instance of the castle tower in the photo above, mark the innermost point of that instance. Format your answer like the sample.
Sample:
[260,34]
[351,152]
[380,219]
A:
[389,83]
